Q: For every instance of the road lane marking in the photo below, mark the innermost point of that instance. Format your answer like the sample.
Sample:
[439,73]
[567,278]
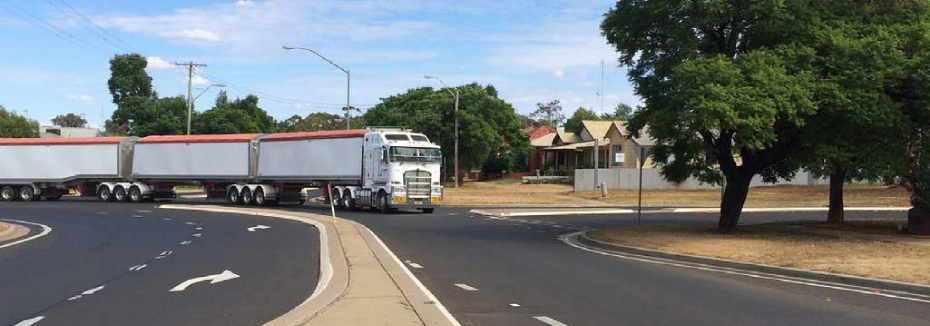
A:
[226,275]
[166,219]
[427,292]
[186,242]
[549,321]
[414,265]
[198,229]
[166,253]
[45,230]
[258,227]
[137,216]
[102,213]
[29,322]
[190,223]
[765,276]
[88,292]
[465,287]
[196,235]
[138,267]
[143,211]
[514,304]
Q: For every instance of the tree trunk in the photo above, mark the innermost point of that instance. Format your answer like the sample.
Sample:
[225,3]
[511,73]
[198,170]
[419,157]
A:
[918,218]
[734,197]
[836,213]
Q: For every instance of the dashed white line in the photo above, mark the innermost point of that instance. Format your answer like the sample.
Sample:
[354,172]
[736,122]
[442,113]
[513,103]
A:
[137,216]
[514,304]
[190,223]
[143,211]
[549,321]
[415,265]
[30,321]
[184,243]
[465,287]
[196,235]
[198,229]
[166,219]
[137,267]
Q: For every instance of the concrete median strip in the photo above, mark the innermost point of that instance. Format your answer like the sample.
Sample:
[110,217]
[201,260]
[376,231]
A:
[361,281]
[17,230]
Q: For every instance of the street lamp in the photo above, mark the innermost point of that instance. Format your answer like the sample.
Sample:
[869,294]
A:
[456,95]
[190,108]
[348,79]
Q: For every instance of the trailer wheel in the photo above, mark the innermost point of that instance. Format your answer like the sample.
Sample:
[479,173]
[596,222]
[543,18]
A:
[337,200]
[7,193]
[104,194]
[26,193]
[259,196]
[232,195]
[349,200]
[119,194]
[246,195]
[383,205]
[135,195]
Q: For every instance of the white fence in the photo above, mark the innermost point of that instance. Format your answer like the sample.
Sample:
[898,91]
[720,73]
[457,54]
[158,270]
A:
[629,179]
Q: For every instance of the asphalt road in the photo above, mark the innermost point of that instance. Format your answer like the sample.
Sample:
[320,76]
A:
[494,272]
[80,273]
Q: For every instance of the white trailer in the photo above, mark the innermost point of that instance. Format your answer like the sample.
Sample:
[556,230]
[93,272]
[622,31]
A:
[381,168]
[48,167]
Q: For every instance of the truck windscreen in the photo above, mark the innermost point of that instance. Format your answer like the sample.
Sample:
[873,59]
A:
[415,154]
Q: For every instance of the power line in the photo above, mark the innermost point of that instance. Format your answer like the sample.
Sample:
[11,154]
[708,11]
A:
[85,25]
[38,22]
[114,36]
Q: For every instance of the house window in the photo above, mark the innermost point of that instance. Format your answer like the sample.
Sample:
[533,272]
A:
[618,155]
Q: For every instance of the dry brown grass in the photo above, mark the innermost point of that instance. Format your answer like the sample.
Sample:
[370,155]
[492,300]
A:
[852,249]
[4,226]
[485,193]
[854,195]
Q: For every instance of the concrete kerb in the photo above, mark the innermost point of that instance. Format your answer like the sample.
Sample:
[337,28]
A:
[18,231]
[582,238]
[367,286]
[548,212]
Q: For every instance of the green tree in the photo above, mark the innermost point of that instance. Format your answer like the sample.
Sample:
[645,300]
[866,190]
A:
[128,78]
[621,112]
[549,114]
[13,125]
[238,116]
[724,78]
[69,120]
[489,126]
[574,124]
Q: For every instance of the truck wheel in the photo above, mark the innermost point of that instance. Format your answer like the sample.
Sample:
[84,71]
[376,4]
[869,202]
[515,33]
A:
[104,194]
[135,195]
[427,210]
[337,201]
[259,196]
[232,195]
[383,205]
[349,200]
[246,195]
[119,194]
[26,193]
[7,194]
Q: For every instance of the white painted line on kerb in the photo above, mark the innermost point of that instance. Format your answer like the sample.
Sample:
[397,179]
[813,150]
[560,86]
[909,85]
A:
[45,230]
[791,209]
[465,287]
[30,321]
[429,295]
[764,276]
[549,321]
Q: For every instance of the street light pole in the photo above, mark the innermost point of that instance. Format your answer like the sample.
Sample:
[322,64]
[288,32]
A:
[456,95]
[348,80]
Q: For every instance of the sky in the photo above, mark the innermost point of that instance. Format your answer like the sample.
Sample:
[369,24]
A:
[54,54]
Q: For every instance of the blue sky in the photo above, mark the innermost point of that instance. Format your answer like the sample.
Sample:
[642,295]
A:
[53,61]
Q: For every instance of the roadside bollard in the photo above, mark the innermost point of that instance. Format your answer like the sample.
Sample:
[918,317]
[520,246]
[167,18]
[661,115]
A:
[603,187]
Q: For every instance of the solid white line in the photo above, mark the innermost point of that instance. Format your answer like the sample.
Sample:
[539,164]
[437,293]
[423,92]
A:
[429,295]
[45,230]
[31,321]
[465,287]
[772,277]
[549,321]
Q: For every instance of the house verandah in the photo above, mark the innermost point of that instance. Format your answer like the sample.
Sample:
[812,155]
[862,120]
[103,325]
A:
[614,149]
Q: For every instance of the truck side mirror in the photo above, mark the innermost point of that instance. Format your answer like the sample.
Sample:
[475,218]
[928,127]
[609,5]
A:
[384,156]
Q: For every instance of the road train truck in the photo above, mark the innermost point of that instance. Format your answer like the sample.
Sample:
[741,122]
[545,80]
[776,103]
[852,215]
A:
[378,168]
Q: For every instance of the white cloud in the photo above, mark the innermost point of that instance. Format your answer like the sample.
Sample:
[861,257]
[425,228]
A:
[83,98]
[559,73]
[245,3]
[196,34]
[200,81]
[159,63]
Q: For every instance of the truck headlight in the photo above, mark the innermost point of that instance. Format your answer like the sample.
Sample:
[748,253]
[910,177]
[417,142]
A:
[398,190]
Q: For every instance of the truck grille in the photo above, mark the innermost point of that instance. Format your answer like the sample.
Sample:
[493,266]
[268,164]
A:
[417,184]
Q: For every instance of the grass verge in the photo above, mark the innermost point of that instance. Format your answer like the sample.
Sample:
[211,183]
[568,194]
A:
[4,226]
[868,248]
[505,193]
[770,196]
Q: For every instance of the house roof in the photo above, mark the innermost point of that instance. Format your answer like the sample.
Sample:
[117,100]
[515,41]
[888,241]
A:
[574,146]
[597,128]
[543,141]
[536,132]
[568,137]
[644,139]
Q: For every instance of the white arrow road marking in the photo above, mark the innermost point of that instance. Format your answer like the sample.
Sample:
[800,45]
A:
[224,276]
[465,287]
[137,267]
[196,235]
[258,227]
[549,321]
[28,322]
[184,243]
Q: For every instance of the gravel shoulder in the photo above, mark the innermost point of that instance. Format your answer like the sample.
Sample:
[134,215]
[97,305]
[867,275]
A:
[867,248]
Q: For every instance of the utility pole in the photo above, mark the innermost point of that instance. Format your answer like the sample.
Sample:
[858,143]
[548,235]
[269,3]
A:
[348,80]
[190,90]
[456,95]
